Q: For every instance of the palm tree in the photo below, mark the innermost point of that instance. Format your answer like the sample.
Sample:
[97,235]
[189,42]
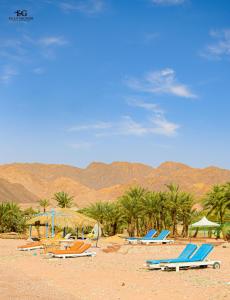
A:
[44,203]
[63,199]
[114,217]
[174,199]
[186,213]
[130,205]
[150,208]
[106,213]
[96,211]
[164,212]
[217,201]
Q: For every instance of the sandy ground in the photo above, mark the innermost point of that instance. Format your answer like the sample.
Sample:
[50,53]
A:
[115,275]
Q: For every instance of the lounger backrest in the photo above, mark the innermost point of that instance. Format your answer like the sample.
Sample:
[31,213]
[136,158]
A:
[162,235]
[188,251]
[150,233]
[76,245]
[67,236]
[84,248]
[202,252]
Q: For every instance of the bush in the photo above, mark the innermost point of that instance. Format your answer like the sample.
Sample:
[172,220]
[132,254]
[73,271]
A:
[11,218]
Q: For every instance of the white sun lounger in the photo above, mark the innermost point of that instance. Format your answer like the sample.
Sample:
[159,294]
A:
[30,248]
[135,240]
[72,255]
[198,260]
[79,252]
[199,264]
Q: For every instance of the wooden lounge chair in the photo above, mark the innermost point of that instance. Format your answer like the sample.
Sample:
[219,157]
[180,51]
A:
[82,251]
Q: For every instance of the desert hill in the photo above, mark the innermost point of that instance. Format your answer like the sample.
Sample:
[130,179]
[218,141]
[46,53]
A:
[194,180]
[100,181]
[15,192]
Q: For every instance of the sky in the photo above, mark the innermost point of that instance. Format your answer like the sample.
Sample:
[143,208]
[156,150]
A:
[115,80]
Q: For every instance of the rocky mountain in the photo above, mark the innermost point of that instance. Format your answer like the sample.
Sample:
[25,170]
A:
[15,192]
[26,183]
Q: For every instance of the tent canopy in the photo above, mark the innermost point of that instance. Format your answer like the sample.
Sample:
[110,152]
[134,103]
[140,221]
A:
[204,222]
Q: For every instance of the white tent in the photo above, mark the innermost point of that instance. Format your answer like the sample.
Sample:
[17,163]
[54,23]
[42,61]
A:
[204,222]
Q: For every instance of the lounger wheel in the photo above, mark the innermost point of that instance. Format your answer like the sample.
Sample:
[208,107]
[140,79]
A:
[216,265]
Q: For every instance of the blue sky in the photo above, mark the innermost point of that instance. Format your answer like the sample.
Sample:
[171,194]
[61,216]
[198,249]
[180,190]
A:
[115,80]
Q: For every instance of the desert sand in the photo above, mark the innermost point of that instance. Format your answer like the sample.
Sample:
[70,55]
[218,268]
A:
[109,275]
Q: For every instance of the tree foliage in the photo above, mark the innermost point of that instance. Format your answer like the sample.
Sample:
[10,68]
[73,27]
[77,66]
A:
[139,210]
[11,218]
[217,201]
[63,200]
[44,203]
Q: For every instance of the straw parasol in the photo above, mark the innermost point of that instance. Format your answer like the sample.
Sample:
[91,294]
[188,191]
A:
[63,218]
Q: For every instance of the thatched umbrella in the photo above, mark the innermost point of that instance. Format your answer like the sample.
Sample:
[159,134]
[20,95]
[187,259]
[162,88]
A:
[63,218]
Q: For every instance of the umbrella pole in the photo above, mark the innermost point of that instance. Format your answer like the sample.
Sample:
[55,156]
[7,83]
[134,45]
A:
[82,233]
[47,230]
[30,231]
[52,223]
[97,235]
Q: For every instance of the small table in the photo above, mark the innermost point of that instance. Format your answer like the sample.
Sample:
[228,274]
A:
[66,243]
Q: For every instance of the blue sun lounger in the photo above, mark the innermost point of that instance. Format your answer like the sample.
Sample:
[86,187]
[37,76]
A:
[186,253]
[197,260]
[149,235]
[161,238]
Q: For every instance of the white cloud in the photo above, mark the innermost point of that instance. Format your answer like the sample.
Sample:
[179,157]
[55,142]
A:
[26,51]
[13,50]
[220,48]
[160,82]
[88,127]
[168,2]
[157,124]
[38,71]
[127,126]
[164,127]
[160,125]
[84,6]
[52,41]
[155,108]
[7,74]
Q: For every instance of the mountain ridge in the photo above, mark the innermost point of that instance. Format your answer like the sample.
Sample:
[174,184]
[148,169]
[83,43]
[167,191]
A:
[101,181]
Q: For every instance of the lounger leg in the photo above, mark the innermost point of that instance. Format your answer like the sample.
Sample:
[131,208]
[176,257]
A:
[177,268]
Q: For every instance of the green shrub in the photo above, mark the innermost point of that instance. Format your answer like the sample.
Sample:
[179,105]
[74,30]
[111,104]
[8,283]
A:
[11,218]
